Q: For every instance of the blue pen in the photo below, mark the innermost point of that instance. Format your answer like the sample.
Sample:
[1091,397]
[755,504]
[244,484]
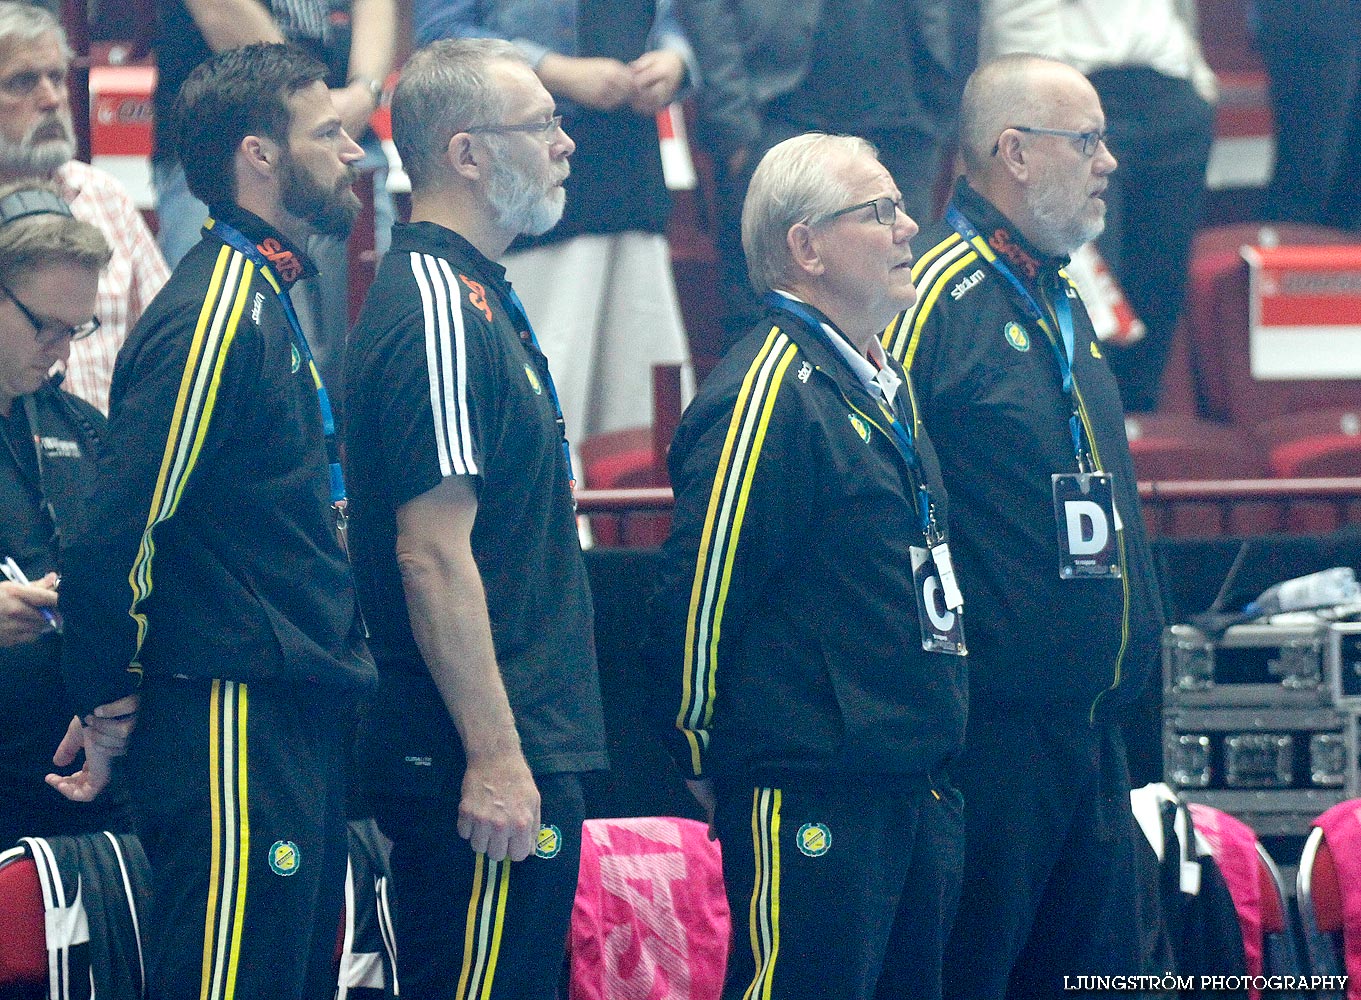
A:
[15,575]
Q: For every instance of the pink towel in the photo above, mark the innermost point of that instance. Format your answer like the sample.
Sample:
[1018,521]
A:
[651,921]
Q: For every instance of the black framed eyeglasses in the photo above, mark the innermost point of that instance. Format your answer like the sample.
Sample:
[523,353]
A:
[1088,140]
[544,128]
[886,211]
[50,334]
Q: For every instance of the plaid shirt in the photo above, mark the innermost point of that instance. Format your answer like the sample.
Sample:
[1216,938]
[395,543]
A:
[131,280]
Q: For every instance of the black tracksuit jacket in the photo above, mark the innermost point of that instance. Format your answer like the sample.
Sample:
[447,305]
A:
[991,396]
[784,629]
[210,551]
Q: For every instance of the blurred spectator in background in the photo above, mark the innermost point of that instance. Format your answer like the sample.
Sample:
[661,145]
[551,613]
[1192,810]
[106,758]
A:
[326,298]
[189,31]
[1313,58]
[887,70]
[598,287]
[1144,59]
[37,140]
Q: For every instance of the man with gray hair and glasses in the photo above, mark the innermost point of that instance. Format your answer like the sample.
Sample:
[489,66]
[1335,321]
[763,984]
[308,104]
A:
[1064,614]
[806,623]
[465,546]
[37,141]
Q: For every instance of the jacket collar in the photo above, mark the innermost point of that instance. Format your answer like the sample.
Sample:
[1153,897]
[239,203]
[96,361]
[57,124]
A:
[812,343]
[286,261]
[1024,259]
[424,237]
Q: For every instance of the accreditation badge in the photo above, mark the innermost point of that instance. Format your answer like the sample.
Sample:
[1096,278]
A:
[1087,524]
[942,626]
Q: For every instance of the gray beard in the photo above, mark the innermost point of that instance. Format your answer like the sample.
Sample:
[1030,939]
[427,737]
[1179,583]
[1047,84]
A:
[520,205]
[1056,231]
[27,158]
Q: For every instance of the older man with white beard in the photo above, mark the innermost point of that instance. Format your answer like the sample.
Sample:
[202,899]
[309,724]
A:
[1049,543]
[36,140]
[464,542]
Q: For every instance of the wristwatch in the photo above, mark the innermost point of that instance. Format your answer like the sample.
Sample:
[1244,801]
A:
[374,87]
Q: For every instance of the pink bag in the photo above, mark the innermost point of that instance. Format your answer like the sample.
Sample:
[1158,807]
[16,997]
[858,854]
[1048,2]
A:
[650,921]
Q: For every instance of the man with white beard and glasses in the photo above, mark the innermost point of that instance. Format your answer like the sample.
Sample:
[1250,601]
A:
[208,601]
[37,141]
[465,546]
[1049,542]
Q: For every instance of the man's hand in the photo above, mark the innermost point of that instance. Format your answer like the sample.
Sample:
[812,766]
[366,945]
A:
[103,735]
[20,619]
[594,82]
[657,75]
[499,812]
[703,791]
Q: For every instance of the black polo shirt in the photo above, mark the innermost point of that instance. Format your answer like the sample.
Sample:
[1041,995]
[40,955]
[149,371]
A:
[442,382]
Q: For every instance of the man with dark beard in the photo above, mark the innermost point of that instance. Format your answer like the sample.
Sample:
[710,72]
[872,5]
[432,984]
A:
[465,546]
[37,141]
[211,585]
[1064,615]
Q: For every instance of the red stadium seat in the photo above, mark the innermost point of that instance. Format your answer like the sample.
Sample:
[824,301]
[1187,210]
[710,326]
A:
[1325,443]
[1327,887]
[1217,319]
[1168,446]
[23,938]
[634,458]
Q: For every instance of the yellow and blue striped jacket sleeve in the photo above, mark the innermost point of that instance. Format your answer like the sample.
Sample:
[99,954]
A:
[218,320]
[166,418]
[726,513]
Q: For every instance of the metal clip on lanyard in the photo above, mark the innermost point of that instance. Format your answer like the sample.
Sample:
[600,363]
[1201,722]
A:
[339,503]
[521,319]
[1063,314]
[903,437]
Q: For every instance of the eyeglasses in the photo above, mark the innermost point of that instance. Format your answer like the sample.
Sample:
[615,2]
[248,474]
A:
[533,128]
[1089,140]
[885,211]
[56,333]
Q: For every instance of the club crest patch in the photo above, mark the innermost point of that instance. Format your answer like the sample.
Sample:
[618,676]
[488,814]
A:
[861,428]
[533,377]
[1016,336]
[814,839]
[549,842]
[284,858]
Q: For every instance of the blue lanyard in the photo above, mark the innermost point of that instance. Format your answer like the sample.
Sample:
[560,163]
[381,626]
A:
[237,241]
[903,438]
[1063,314]
[521,318]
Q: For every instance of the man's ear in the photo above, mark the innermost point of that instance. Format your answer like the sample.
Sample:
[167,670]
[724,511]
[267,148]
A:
[464,157]
[803,249]
[260,154]
[1011,153]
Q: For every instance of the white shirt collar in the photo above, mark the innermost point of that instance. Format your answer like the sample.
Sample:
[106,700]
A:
[880,381]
